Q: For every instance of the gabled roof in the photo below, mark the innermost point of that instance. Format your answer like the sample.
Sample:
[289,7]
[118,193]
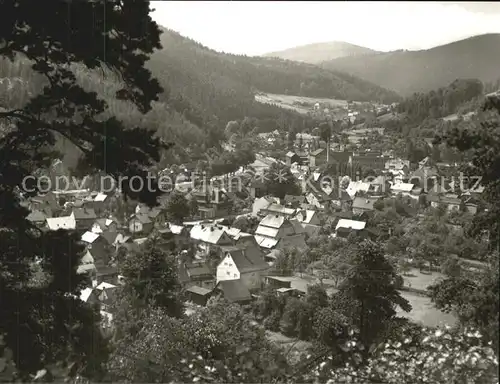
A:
[266,231]
[109,237]
[198,290]
[211,234]
[197,270]
[89,237]
[277,208]
[36,216]
[273,221]
[296,241]
[84,213]
[340,194]
[247,259]
[305,216]
[265,242]
[64,222]
[234,290]
[290,199]
[364,203]
[100,197]
[175,229]
[350,224]
[402,187]
[357,186]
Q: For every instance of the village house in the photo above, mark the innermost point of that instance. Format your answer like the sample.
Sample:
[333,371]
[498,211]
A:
[103,294]
[370,160]
[198,295]
[212,202]
[262,163]
[98,203]
[277,209]
[85,218]
[104,224]
[257,189]
[209,238]
[363,204]
[156,214]
[345,227]
[234,291]
[274,227]
[277,232]
[397,165]
[292,158]
[451,201]
[88,267]
[318,198]
[357,187]
[308,217]
[47,203]
[140,223]
[245,264]
[292,201]
[63,222]
[196,274]
[425,178]
[97,246]
[37,217]
[404,189]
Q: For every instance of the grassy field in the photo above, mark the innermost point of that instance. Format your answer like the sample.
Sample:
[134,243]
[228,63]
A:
[287,101]
[423,311]
[417,280]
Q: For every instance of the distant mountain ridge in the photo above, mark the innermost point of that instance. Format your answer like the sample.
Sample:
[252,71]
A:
[225,84]
[407,72]
[319,52]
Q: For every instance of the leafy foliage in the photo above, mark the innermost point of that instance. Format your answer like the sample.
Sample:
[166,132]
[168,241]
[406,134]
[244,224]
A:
[216,344]
[46,324]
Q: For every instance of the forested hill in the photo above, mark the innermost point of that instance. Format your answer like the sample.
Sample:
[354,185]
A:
[204,90]
[407,72]
[225,83]
[443,101]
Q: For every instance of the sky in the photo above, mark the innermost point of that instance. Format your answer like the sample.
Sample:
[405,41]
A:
[255,28]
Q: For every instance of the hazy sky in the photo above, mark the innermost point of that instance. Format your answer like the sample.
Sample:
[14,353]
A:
[255,28]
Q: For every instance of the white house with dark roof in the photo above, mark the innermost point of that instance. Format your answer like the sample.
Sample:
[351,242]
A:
[242,263]
[140,223]
[64,222]
[273,229]
[209,237]
[345,227]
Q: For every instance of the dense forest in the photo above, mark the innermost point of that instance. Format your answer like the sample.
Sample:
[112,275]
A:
[225,84]
[203,91]
[442,102]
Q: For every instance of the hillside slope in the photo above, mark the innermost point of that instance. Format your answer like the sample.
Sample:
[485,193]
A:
[407,72]
[204,90]
[319,52]
[226,82]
